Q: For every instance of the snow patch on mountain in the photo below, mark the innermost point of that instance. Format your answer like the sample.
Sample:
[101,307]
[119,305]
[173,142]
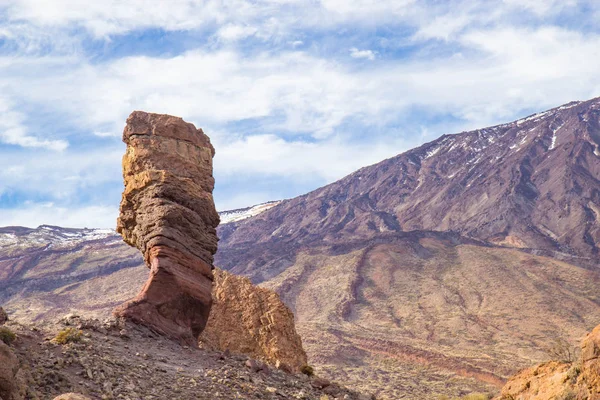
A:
[244,213]
[51,235]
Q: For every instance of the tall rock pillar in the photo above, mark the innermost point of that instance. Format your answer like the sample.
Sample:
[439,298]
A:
[168,213]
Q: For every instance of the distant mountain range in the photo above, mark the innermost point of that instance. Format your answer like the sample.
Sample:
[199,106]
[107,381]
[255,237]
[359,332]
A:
[439,271]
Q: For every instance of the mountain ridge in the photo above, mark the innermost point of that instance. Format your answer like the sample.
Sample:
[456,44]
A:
[390,200]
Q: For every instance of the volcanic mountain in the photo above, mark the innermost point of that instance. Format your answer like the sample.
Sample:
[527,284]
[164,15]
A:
[442,270]
[464,257]
[533,183]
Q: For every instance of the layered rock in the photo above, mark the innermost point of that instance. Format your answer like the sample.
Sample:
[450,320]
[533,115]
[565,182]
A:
[168,213]
[578,380]
[251,320]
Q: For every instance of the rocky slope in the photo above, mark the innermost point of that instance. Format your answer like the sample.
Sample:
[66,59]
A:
[114,359]
[51,271]
[240,214]
[168,213]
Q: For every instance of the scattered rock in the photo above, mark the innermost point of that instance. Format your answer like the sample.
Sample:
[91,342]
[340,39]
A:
[107,367]
[320,383]
[365,397]
[254,365]
[168,213]
[283,367]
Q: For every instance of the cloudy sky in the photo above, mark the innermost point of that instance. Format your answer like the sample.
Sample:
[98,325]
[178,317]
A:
[293,93]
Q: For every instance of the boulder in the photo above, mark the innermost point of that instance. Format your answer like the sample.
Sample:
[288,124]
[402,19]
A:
[168,213]
[71,396]
[247,319]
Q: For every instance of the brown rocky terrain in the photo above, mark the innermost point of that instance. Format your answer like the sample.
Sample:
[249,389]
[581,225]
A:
[246,319]
[168,213]
[428,315]
[104,264]
[114,359]
[434,272]
[577,379]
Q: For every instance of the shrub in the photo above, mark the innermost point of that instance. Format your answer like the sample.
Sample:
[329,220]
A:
[573,373]
[68,335]
[307,370]
[7,336]
[568,394]
[561,350]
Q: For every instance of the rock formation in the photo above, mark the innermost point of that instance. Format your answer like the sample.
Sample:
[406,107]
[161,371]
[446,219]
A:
[168,213]
[579,380]
[251,320]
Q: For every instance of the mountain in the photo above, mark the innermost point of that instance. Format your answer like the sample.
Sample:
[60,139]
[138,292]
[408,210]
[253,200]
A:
[440,271]
[533,183]
[447,267]
[48,271]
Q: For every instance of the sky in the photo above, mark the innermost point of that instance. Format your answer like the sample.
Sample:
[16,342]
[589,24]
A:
[294,94]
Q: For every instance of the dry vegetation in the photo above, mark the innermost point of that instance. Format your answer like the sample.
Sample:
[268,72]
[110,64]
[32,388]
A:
[6,335]
[68,335]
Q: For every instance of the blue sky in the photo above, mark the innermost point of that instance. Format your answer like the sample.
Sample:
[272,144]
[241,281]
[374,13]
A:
[293,93]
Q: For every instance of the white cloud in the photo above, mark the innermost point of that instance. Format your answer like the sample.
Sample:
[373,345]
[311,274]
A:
[243,199]
[444,27]
[13,130]
[273,156]
[312,95]
[356,53]
[232,32]
[542,7]
[366,9]
[108,17]
[61,176]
